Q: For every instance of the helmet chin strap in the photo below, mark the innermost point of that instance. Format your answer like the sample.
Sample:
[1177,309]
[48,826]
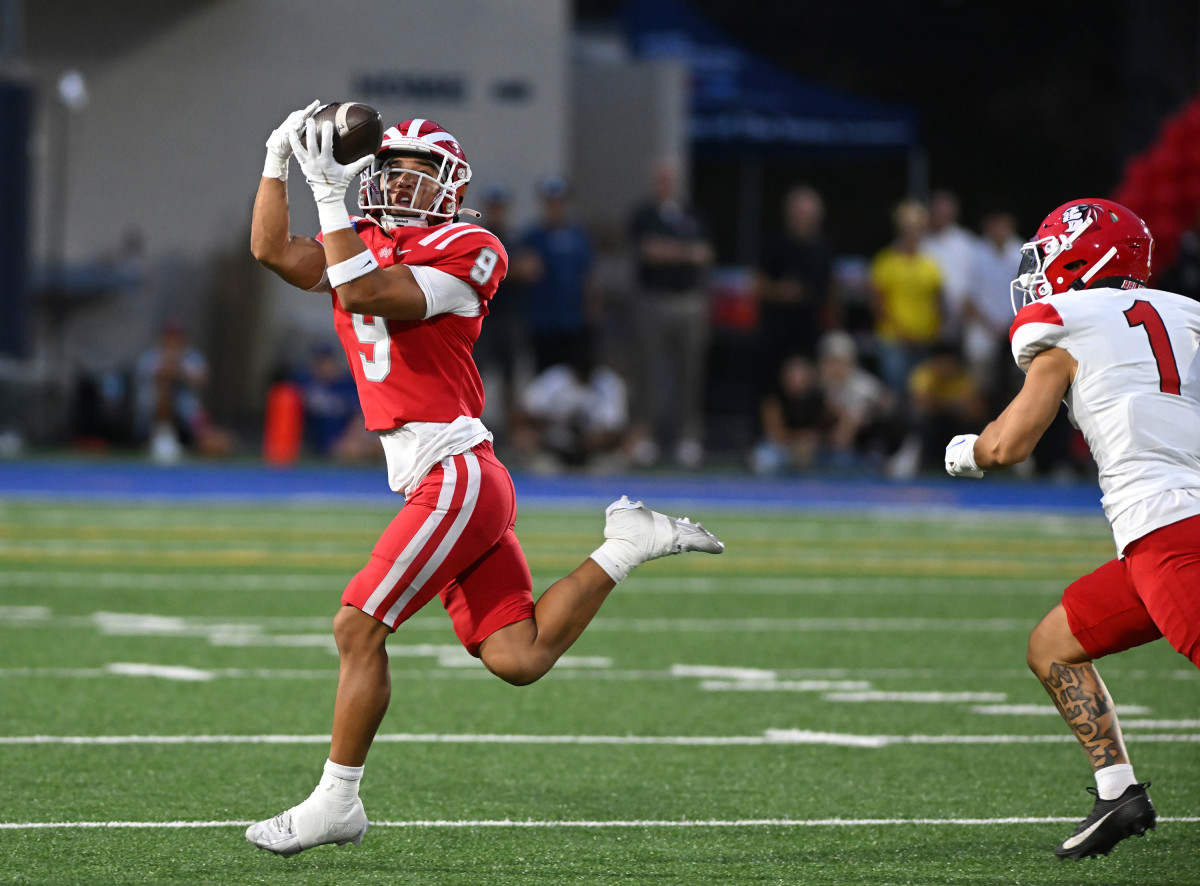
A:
[1086,280]
[1091,272]
[388,221]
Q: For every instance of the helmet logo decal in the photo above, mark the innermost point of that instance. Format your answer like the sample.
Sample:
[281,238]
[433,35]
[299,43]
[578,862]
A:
[1075,218]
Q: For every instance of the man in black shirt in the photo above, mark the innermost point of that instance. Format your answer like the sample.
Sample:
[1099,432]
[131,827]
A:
[673,256]
[793,286]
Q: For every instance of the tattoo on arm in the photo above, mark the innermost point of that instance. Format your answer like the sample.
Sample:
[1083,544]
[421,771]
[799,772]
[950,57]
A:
[1084,702]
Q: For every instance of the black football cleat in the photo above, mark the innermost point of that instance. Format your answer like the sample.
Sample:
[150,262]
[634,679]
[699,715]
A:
[1111,821]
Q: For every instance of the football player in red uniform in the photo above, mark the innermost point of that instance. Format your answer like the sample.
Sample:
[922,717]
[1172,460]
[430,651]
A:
[1124,358]
[410,285]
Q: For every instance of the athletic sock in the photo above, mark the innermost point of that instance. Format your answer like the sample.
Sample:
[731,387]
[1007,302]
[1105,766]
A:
[616,557]
[339,784]
[1111,781]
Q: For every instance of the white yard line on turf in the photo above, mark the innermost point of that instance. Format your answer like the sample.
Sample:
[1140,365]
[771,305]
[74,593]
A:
[1047,710]
[922,697]
[171,672]
[802,625]
[634,823]
[594,669]
[784,685]
[173,581]
[769,738]
[246,631]
[101,580]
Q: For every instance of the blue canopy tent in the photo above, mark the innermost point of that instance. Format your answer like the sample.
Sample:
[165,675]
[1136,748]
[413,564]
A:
[750,109]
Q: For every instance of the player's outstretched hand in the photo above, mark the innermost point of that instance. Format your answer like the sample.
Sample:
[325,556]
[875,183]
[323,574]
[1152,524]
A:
[279,147]
[960,457]
[327,178]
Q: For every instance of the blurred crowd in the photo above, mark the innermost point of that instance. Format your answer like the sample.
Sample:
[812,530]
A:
[825,364]
[645,354]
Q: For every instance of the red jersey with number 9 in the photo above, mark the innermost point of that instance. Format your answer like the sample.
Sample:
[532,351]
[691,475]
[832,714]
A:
[422,370]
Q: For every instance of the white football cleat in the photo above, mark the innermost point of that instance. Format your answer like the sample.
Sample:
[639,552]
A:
[310,824]
[655,535]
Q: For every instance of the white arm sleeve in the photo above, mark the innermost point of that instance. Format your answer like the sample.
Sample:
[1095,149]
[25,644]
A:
[445,293]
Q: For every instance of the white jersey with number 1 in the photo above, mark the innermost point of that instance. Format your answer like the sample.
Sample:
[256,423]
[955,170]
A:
[1135,397]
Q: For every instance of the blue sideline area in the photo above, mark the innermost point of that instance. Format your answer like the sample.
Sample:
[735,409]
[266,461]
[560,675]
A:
[52,479]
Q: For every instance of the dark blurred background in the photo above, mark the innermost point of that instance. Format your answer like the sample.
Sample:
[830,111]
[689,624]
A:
[1021,104]
[601,133]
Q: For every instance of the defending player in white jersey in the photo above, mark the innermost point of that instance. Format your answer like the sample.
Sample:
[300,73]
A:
[1124,358]
[410,285]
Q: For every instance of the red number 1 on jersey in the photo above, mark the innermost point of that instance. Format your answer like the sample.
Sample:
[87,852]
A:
[1142,314]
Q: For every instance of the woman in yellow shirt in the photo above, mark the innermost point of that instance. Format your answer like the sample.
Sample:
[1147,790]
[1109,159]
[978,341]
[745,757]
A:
[906,290]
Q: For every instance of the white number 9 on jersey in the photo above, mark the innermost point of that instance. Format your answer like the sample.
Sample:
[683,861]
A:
[375,333]
[482,270]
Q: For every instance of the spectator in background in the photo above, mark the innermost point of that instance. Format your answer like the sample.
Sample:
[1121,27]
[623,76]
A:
[333,422]
[906,288]
[792,285]
[504,338]
[988,309]
[953,248]
[864,422]
[553,262]
[943,395]
[794,420]
[576,410]
[169,414]
[673,255]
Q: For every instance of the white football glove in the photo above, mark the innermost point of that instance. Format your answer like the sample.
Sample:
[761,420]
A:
[279,148]
[327,178]
[960,457]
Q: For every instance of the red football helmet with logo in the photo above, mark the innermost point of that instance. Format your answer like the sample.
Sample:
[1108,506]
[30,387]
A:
[1084,244]
[425,140]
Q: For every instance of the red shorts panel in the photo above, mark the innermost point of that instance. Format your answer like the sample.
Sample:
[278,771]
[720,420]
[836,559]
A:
[1153,592]
[496,591]
[1105,613]
[1165,566]
[458,520]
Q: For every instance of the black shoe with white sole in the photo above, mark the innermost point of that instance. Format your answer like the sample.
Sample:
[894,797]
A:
[1111,821]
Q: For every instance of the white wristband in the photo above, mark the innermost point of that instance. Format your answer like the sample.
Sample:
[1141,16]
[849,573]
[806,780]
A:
[333,216]
[275,167]
[352,268]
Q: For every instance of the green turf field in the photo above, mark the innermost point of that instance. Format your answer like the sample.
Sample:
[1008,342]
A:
[838,699]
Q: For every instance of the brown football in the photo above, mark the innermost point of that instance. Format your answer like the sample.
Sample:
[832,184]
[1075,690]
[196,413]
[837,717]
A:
[357,130]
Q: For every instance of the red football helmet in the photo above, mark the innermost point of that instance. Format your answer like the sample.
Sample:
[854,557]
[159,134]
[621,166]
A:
[1084,243]
[428,141]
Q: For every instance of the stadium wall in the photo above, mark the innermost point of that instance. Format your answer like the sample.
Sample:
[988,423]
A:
[179,103]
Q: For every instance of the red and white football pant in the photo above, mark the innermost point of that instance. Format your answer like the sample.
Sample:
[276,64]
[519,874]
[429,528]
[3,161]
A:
[454,538]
